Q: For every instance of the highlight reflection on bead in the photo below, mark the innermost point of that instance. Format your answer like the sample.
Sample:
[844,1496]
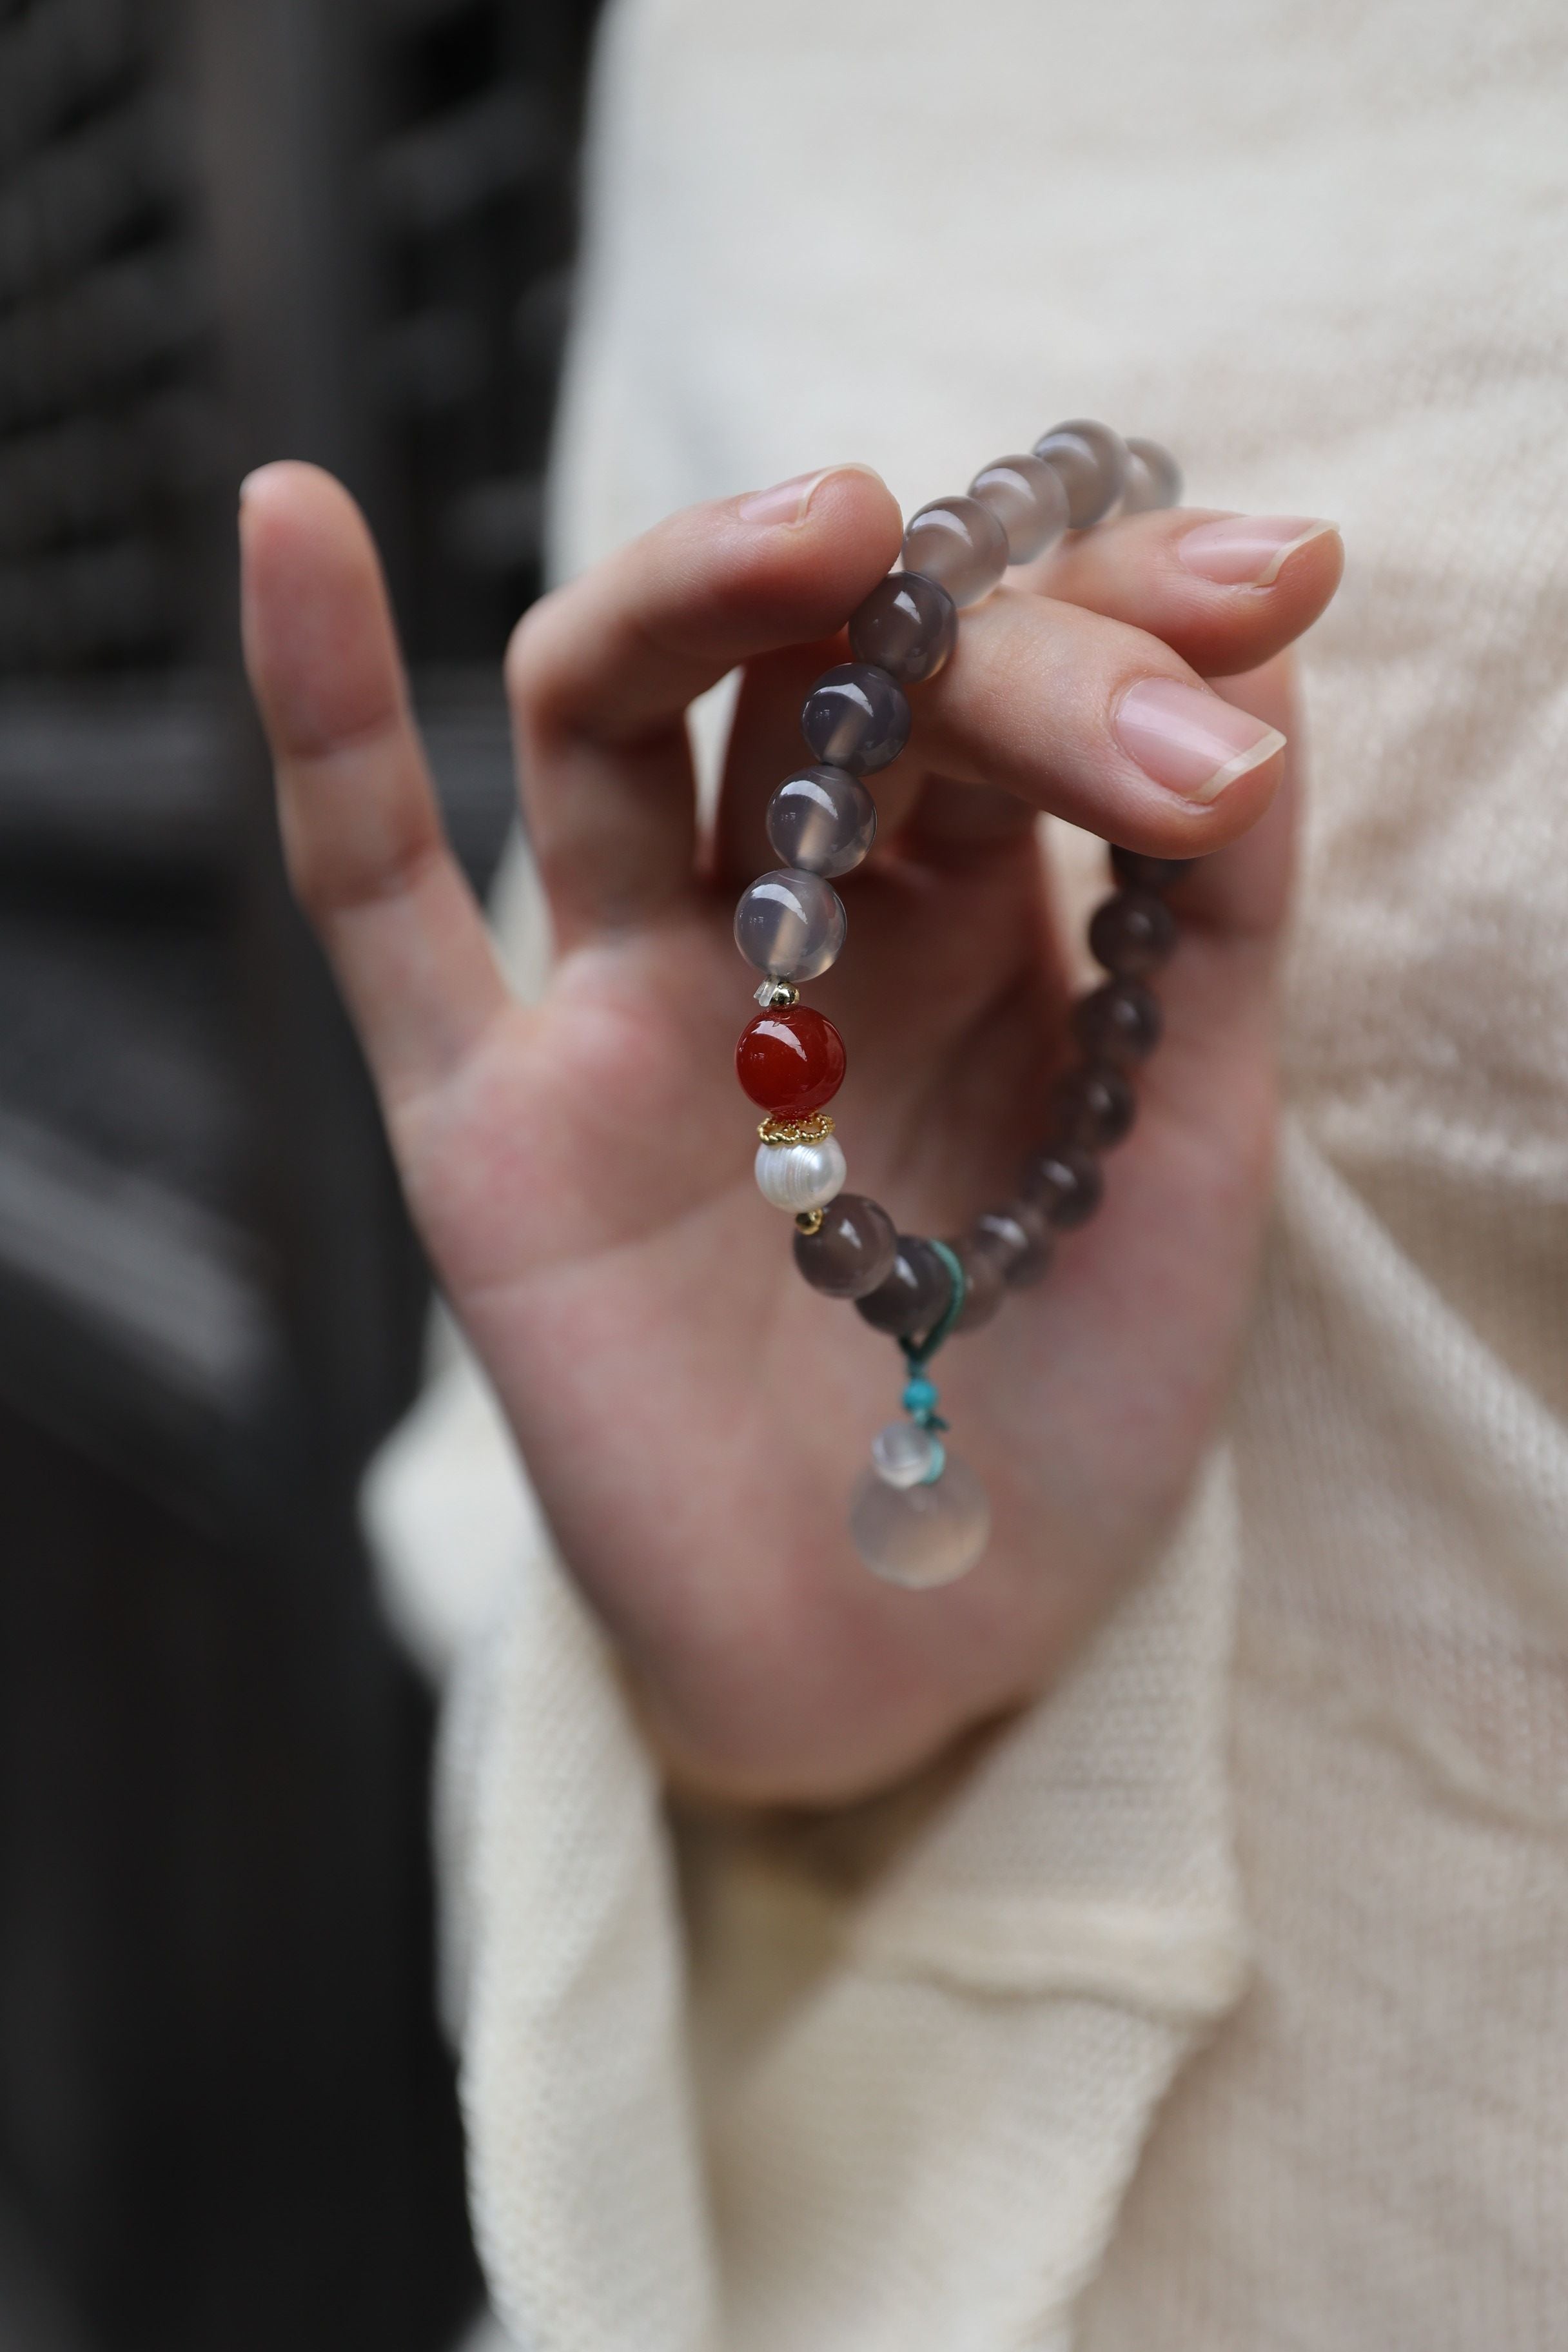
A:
[1093,462]
[822,820]
[851,1251]
[1020,1239]
[920,1537]
[960,544]
[908,626]
[1066,1184]
[1029,500]
[790,925]
[855,717]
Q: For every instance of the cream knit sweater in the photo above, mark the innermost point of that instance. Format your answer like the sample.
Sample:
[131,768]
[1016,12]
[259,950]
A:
[1223,2006]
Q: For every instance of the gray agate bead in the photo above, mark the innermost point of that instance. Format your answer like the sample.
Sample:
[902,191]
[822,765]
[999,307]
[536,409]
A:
[1027,498]
[1093,1107]
[960,544]
[1066,1184]
[1020,1240]
[855,717]
[1093,462]
[822,820]
[908,626]
[1139,873]
[914,1296]
[1120,1022]
[983,1283]
[1131,934]
[1154,478]
[790,925]
[853,1249]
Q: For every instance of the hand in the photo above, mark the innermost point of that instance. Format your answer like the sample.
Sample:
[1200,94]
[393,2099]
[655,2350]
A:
[692,1415]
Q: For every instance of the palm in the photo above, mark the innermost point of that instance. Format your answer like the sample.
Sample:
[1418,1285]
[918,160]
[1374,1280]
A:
[692,1414]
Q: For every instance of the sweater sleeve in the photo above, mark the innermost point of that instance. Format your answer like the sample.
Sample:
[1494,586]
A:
[874,2083]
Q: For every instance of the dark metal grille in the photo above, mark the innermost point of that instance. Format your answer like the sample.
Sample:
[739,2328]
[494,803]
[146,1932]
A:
[229,229]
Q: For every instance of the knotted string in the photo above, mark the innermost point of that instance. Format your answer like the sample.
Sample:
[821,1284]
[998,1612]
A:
[919,1393]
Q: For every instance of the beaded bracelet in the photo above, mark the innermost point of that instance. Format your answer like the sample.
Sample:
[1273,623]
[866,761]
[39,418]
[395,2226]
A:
[920,1516]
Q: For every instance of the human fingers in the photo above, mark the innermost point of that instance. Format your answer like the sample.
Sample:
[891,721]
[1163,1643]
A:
[1213,1075]
[1098,722]
[1225,591]
[600,675]
[1239,891]
[1222,595]
[361,833]
[1242,891]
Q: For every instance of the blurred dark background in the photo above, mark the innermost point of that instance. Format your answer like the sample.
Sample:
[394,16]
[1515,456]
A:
[229,230]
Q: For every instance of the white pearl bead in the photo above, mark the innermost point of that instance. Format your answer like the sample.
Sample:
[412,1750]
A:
[920,1535]
[796,1176]
[905,1454]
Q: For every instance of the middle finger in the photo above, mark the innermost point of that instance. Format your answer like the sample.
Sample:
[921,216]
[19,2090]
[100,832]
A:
[1049,698]
[1098,721]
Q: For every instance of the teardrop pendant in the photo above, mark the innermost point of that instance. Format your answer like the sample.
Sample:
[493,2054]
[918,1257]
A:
[921,1535]
[918,1516]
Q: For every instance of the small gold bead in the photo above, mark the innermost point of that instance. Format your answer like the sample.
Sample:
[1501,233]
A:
[809,1221]
[815,1128]
[776,995]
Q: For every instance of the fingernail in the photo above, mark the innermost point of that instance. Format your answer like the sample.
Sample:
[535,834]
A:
[1246,550]
[787,501]
[250,480]
[1189,740]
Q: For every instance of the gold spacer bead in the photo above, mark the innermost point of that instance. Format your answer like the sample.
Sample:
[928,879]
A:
[815,1128]
[776,995]
[809,1221]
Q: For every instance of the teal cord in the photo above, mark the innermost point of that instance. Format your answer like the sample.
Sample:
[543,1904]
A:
[919,1393]
[918,1353]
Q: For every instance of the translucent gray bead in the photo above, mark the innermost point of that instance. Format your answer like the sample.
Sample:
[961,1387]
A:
[1140,873]
[915,1296]
[1093,1106]
[855,717]
[960,544]
[908,626]
[1020,1240]
[982,1284]
[1120,1022]
[822,820]
[1153,478]
[790,925]
[1066,1184]
[1027,498]
[851,1251]
[1131,934]
[920,1535]
[1093,462]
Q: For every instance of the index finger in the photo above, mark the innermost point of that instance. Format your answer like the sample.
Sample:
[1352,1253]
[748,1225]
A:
[1226,591]
[366,851]
[601,672]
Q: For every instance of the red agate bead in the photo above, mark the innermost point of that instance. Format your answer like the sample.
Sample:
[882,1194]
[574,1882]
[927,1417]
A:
[790,1061]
